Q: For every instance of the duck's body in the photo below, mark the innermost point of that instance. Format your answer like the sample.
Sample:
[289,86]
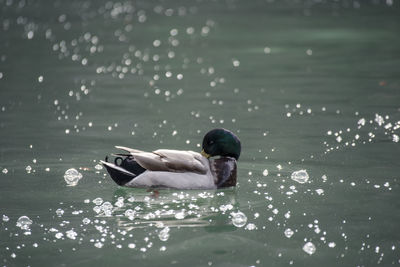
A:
[166,168]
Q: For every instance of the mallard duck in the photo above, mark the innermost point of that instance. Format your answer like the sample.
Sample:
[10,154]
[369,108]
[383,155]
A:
[165,168]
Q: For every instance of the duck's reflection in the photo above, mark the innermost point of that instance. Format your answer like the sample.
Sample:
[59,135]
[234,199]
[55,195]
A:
[160,208]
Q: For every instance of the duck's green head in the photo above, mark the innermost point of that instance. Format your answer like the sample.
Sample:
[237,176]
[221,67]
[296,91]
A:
[221,142]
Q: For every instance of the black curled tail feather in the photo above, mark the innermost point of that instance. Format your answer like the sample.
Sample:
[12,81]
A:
[130,164]
[123,170]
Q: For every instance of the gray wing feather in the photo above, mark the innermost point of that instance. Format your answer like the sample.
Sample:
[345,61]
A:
[169,160]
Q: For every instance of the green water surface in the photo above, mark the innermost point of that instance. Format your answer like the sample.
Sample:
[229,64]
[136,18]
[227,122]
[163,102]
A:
[306,85]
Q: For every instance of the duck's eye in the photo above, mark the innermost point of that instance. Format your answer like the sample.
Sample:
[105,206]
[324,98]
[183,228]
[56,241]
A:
[211,142]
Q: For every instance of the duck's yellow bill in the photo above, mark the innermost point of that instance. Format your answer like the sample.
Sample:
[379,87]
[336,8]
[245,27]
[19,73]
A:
[205,154]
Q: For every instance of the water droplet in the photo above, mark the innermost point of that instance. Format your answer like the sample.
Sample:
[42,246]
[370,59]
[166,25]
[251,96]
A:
[288,233]
[59,235]
[309,248]
[319,191]
[24,222]
[239,219]
[98,245]
[331,244]
[98,167]
[71,234]
[97,201]
[107,208]
[265,172]
[131,245]
[236,63]
[300,176]
[59,212]
[72,177]
[180,215]
[5,171]
[5,218]
[130,213]
[164,234]
[251,226]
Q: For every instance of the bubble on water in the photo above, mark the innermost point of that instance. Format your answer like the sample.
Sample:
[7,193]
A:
[28,168]
[98,201]
[164,234]
[239,219]
[98,167]
[288,233]
[130,213]
[71,234]
[72,177]
[331,244]
[107,208]
[287,215]
[119,204]
[250,227]
[300,176]
[5,171]
[163,248]
[59,212]
[86,221]
[131,245]
[59,235]
[24,222]
[5,218]
[180,215]
[98,245]
[379,119]
[13,255]
[265,172]
[309,248]
[319,191]
[396,138]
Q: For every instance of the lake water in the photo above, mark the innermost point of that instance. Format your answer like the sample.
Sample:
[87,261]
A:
[312,88]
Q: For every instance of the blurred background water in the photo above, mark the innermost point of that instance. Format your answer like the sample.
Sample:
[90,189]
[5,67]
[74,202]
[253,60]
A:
[309,86]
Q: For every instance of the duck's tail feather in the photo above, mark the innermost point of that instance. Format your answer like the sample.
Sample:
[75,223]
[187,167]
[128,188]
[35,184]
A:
[123,171]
